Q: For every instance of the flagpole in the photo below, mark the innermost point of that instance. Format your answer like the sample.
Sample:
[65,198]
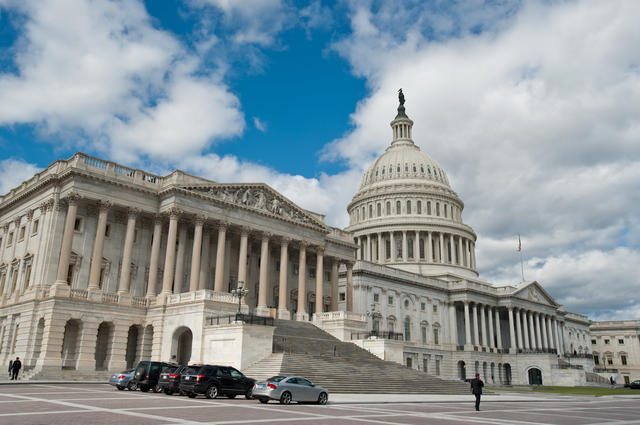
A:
[521,261]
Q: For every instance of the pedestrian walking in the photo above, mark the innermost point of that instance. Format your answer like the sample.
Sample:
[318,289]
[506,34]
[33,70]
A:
[15,368]
[10,368]
[476,389]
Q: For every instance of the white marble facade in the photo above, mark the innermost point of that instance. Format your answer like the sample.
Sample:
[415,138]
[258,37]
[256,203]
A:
[102,265]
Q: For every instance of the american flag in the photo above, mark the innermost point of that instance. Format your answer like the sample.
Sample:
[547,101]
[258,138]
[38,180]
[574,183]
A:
[519,244]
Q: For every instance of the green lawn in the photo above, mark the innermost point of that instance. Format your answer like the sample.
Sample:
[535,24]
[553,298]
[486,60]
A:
[571,390]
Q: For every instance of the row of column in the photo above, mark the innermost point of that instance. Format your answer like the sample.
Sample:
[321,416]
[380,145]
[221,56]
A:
[174,260]
[488,315]
[372,247]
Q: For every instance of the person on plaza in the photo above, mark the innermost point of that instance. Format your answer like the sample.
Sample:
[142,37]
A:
[15,368]
[10,368]
[476,389]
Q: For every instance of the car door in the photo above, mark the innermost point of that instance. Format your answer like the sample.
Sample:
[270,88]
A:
[224,377]
[238,381]
[307,390]
[297,390]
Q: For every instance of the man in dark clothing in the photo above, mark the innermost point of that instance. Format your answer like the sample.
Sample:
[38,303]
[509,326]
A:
[10,368]
[476,389]
[15,368]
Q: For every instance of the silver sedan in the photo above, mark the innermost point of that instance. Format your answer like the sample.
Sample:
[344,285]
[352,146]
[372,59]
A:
[289,388]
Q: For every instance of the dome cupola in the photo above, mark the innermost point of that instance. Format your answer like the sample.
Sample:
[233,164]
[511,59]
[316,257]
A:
[405,213]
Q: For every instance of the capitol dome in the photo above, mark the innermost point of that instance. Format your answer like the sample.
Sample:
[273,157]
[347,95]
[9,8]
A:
[405,202]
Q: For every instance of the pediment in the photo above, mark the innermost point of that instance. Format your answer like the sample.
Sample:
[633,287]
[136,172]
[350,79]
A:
[532,291]
[258,197]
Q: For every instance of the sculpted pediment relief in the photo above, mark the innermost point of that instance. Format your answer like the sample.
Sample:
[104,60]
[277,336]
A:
[533,292]
[258,197]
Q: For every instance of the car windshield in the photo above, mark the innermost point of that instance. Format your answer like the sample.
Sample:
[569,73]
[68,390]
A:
[191,371]
[169,369]
[276,378]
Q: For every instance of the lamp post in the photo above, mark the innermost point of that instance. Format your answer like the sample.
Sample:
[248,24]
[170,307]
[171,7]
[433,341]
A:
[240,292]
[371,314]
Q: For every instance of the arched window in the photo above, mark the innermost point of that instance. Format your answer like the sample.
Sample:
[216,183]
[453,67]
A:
[428,207]
[391,324]
[387,249]
[408,207]
[363,212]
[445,210]
[410,253]
[388,208]
[419,207]
[421,244]
[407,329]
[438,209]
[370,211]
[379,207]
[398,208]
[436,334]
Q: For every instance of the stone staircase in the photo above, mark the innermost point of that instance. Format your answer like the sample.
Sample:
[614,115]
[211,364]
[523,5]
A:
[342,367]
[66,375]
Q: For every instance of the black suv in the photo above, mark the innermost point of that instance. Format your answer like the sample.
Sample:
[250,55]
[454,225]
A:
[147,375]
[170,379]
[213,381]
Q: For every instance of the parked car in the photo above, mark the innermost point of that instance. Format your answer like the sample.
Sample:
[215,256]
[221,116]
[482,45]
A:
[214,381]
[634,385]
[170,379]
[123,380]
[289,388]
[147,374]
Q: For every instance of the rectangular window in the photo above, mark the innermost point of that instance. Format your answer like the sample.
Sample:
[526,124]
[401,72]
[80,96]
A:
[312,272]
[34,227]
[596,360]
[621,341]
[278,265]
[593,342]
[436,336]
[424,334]
[606,341]
[623,359]
[376,298]
[327,276]
[10,239]
[21,234]
[435,308]
[419,207]
[609,360]
[295,269]
[77,225]
[27,276]
[437,367]
[425,365]
[107,231]
[70,274]
[422,306]
[343,296]
[428,207]
[390,300]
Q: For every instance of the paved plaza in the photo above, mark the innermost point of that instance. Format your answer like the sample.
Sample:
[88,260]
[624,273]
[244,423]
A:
[70,404]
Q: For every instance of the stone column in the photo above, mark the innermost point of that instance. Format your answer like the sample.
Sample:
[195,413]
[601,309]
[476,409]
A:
[218,285]
[452,250]
[196,257]
[491,335]
[349,294]
[466,253]
[182,245]
[170,255]
[204,263]
[519,329]
[557,340]
[525,329]
[334,285]
[98,246]
[532,332]
[155,257]
[453,325]
[125,271]
[87,348]
[301,314]
[358,242]
[476,333]
[512,332]
[283,290]
[538,334]
[262,309]
[543,320]
[498,330]
[405,254]
[380,254]
[441,248]
[467,324]
[319,280]
[242,259]
[392,244]
[473,255]
[550,334]
[416,246]
[369,248]
[429,250]
[460,261]
[483,323]
[67,240]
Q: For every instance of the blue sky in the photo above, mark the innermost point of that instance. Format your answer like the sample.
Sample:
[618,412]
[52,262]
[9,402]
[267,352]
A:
[530,107]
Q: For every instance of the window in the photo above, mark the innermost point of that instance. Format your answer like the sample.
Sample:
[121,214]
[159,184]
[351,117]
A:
[424,334]
[387,244]
[406,303]
[609,360]
[606,341]
[327,276]
[407,329]
[21,233]
[390,300]
[10,239]
[295,269]
[445,210]
[379,207]
[438,208]
[436,336]
[388,208]
[435,308]
[437,367]
[428,207]
[277,265]
[623,359]
[77,225]
[34,227]
[391,325]
[27,276]
[408,207]
[596,359]
[419,207]
[376,298]
[410,253]
[399,248]
[101,279]
[406,168]
[312,272]
[343,296]
[593,342]
[70,274]
[422,306]
[370,211]
[135,235]
[421,247]
[621,341]
[398,208]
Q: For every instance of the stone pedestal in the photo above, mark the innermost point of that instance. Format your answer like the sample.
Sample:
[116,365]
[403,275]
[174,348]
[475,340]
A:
[94,295]
[302,317]
[284,314]
[263,311]
[124,299]
[60,290]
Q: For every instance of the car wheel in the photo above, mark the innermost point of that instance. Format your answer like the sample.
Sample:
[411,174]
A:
[132,386]
[249,394]
[212,391]
[264,401]
[231,396]
[144,388]
[285,398]
[323,398]
[157,389]
[191,395]
[120,387]
[167,391]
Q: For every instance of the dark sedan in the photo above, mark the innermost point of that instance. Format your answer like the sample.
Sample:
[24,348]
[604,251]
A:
[214,381]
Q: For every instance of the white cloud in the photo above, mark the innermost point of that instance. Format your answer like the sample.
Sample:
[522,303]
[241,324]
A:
[99,73]
[534,119]
[259,124]
[13,172]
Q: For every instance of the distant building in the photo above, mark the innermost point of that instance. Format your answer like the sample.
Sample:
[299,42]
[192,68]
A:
[616,349]
[102,265]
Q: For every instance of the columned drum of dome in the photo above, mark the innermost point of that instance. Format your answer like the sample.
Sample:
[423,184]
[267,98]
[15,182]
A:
[405,214]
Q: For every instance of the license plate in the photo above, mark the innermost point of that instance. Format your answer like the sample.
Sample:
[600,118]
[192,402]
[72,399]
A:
[186,378]
[260,386]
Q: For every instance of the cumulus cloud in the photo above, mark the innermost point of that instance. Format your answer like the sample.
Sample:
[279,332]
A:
[259,124]
[98,73]
[532,110]
[13,172]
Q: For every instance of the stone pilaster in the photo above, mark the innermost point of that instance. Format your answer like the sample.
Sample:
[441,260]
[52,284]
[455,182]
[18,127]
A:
[263,286]
[283,289]
[301,313]
[196,254]
[87,347]
[117,360]
[218,285]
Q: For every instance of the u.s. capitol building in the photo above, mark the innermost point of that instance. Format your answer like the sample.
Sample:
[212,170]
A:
[102,265]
